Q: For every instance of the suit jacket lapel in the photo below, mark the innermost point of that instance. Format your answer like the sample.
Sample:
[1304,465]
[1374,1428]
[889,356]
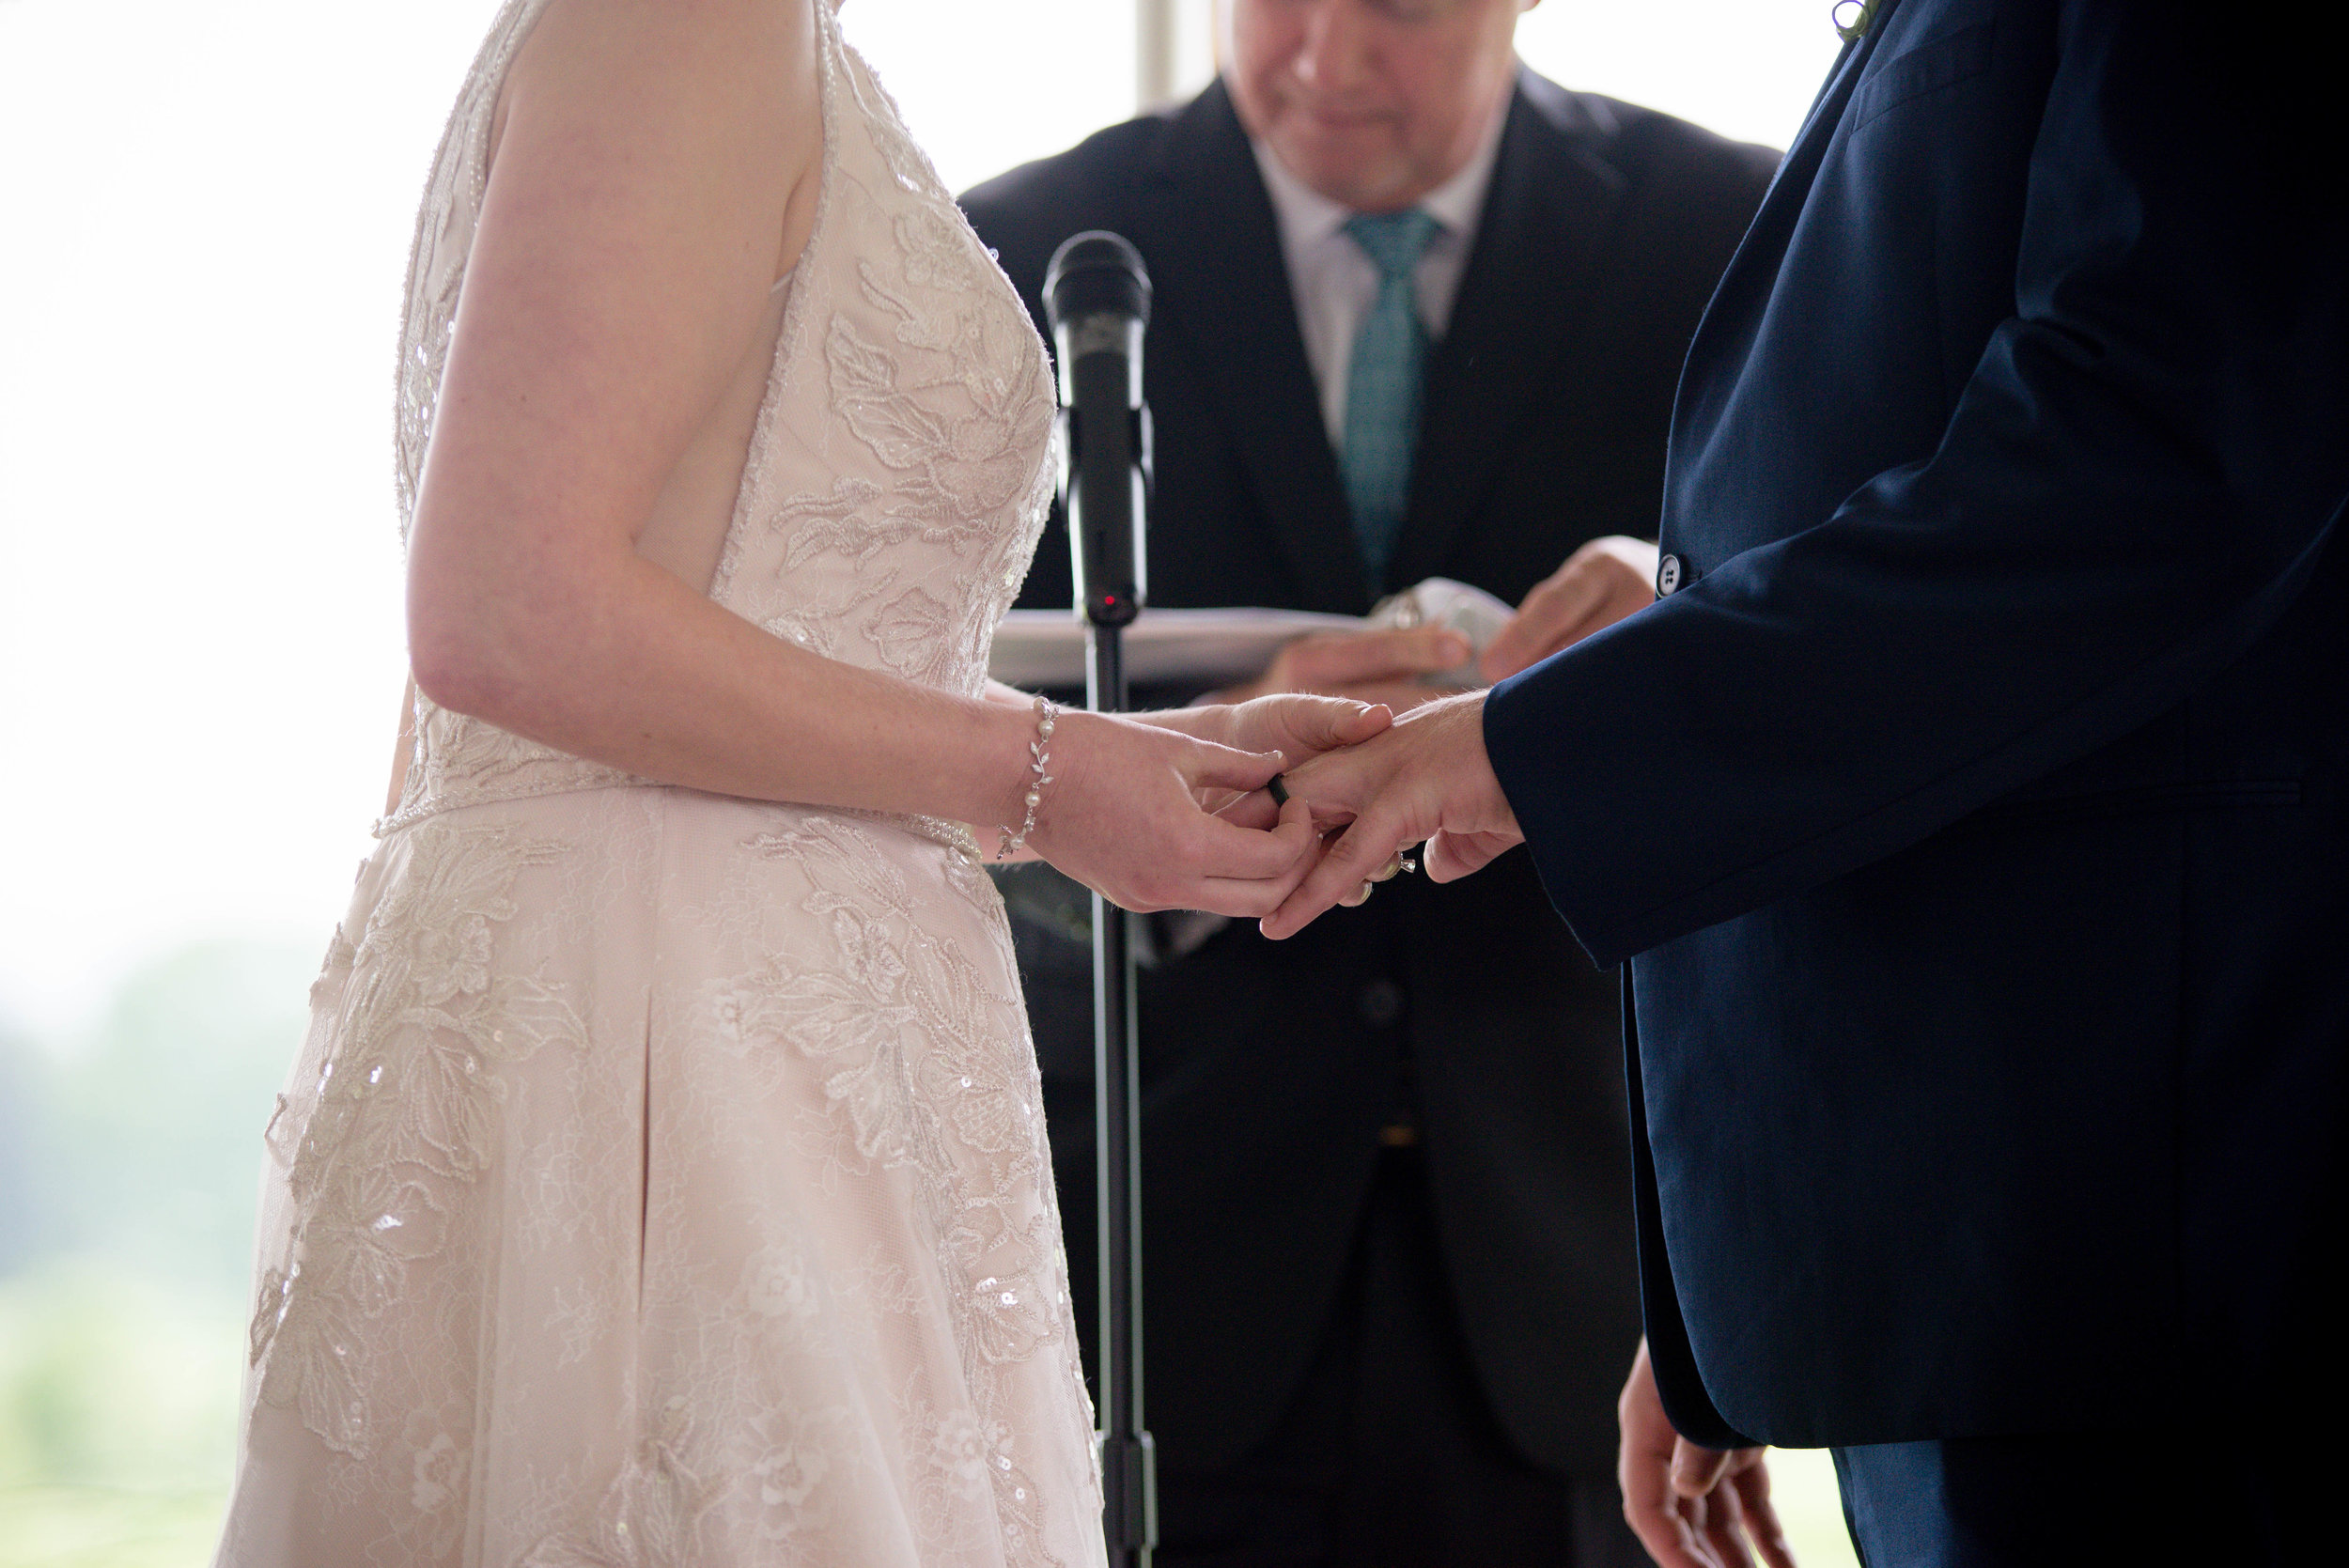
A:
[1528,280]
[1731,317]
[1231,315]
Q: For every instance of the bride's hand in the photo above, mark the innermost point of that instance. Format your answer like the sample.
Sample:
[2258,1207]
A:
[1297,726]
[1126,813]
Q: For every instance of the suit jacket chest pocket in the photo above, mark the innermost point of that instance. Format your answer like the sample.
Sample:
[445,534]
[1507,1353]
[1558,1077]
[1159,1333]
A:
[1930,68]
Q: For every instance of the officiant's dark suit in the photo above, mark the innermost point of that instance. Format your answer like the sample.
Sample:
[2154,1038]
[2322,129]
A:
[1273,1071]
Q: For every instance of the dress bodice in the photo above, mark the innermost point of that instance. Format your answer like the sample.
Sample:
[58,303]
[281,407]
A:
[899,473]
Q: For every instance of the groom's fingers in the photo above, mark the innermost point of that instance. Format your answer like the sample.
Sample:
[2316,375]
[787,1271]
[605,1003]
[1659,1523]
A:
[1338,783]
[1671,1527]
[1352,856]
[1697,1470]
[1725,1528]
[1663,1523]
[1761,1524]
[1710,1507]
[1451,856]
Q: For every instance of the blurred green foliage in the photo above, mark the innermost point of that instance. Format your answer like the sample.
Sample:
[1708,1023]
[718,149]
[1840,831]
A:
[65,1526]
[148,1143]
[130,1163]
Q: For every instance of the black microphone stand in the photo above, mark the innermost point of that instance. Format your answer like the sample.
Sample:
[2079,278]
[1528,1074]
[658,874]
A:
[1128,1467]
[1097,299]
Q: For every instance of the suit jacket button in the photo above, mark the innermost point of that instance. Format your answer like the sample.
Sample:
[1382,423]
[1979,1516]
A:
[1668,574]
[1381,1003]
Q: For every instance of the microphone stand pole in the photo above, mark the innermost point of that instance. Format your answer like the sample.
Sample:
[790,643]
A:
[1128,1471]
[1098,298]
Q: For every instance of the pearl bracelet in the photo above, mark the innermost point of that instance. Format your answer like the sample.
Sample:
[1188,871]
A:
[1039,755]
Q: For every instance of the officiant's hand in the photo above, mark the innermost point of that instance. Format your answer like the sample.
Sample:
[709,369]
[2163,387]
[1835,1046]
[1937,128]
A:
[1129,813]
[1692,1507]
[1381,667]
[1427,779]
[1600,583]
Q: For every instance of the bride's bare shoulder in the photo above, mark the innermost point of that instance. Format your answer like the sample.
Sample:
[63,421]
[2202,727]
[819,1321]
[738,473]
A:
[696,72]
[655,35]
[703,102]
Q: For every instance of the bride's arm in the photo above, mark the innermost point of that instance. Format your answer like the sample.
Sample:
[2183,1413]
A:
[656,168]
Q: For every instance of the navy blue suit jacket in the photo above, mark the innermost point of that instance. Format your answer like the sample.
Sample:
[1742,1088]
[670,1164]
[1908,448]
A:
[1975,812]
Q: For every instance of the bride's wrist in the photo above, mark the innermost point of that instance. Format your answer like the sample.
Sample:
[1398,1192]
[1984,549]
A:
[983,766]
[1019,769]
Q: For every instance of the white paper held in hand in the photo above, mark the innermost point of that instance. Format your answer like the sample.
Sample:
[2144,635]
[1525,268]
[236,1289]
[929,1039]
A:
[1467,609]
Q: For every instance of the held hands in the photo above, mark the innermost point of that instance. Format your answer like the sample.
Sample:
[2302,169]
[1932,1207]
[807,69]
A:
[1131,812]
[1425,778]
[1185,822]
[1692,1507]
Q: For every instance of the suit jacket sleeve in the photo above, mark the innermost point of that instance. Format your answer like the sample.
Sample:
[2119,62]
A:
[2138,477]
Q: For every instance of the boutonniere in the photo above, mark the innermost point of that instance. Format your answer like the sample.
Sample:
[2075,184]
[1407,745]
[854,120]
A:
[1861,16]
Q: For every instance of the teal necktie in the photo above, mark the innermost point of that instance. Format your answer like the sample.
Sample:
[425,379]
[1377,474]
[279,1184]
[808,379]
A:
[1382,384]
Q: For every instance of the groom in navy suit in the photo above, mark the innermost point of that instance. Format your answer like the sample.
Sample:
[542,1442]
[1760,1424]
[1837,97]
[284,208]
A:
[1973,809]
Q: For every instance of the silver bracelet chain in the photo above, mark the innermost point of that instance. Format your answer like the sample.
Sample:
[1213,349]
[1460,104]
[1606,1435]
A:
[1039,758]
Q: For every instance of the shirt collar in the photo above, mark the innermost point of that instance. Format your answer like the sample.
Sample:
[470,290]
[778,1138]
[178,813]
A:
[1307,218]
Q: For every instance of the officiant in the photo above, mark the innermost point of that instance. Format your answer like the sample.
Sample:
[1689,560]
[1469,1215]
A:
[1419,312]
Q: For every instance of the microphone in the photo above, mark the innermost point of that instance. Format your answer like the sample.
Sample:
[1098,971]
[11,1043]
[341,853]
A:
[1096,297]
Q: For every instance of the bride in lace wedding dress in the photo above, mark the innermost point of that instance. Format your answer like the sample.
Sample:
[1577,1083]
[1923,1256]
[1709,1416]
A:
[664,1180]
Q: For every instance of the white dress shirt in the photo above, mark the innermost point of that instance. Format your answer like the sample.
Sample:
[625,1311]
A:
[1335,285]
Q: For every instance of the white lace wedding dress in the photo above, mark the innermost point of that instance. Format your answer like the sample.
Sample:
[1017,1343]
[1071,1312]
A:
[664,1181]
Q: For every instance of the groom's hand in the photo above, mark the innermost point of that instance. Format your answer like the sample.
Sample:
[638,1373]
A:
[1427,779]
[1692,1507]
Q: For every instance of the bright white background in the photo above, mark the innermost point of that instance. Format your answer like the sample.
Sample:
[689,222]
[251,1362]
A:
[204,214]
